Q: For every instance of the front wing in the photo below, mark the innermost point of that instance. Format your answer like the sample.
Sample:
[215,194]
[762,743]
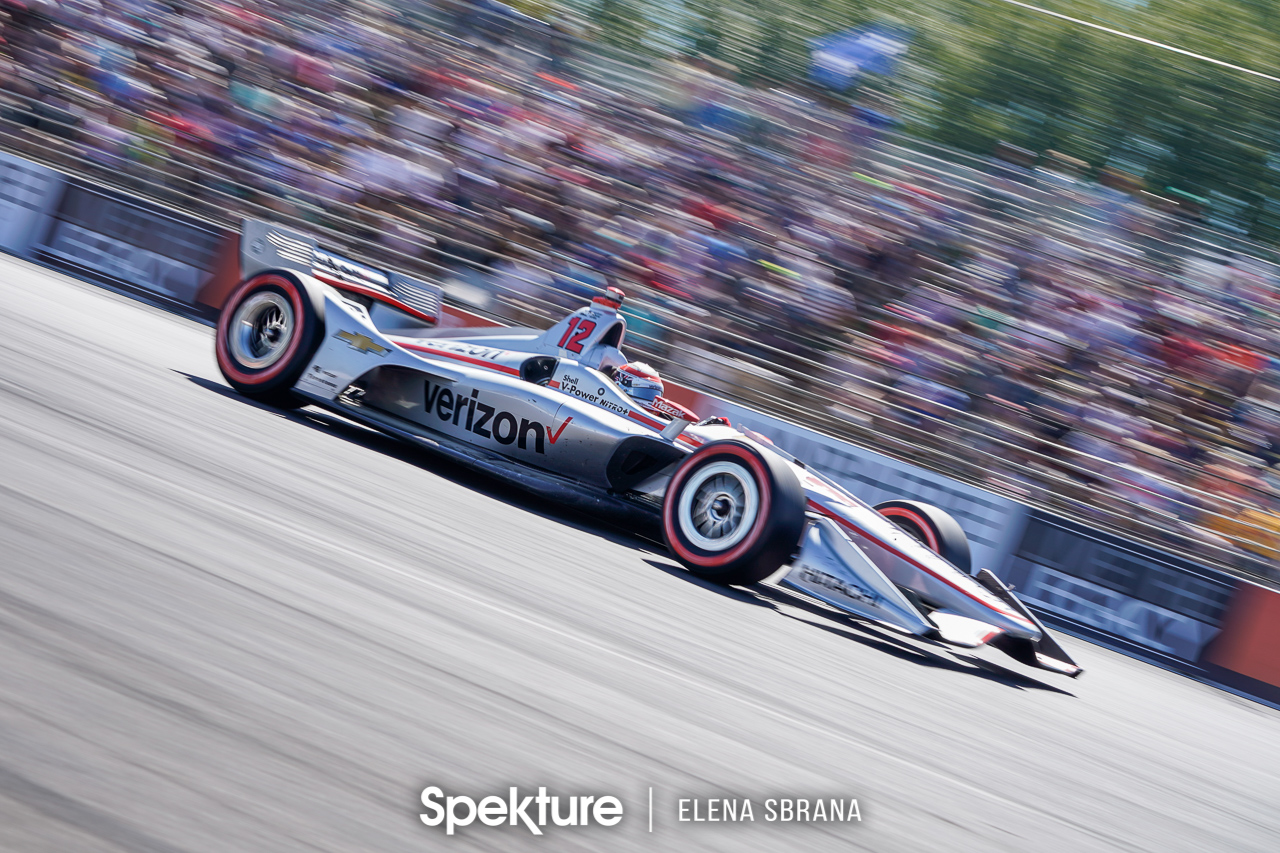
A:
[836,571]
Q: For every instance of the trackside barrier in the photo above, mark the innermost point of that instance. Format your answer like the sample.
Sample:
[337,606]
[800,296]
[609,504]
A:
[1125,589]
[1246,654]
[79,226]
[28,194]
[1112,589]
[109,233]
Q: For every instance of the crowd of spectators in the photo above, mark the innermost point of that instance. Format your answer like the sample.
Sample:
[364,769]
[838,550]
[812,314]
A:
[1013,323]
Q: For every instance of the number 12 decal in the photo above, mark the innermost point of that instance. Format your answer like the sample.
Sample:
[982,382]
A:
[572,340]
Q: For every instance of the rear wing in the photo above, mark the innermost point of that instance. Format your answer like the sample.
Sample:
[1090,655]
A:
[266,245]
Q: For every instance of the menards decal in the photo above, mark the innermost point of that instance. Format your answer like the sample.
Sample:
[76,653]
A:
[467,411]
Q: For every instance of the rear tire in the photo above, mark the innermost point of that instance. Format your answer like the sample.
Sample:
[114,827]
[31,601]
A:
[732,513]
[932,527]
[268,331]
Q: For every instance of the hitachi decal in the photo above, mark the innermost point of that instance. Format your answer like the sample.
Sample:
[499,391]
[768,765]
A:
[833,583]
[465,409]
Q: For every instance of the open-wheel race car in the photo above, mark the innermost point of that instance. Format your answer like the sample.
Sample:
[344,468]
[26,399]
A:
[562,412]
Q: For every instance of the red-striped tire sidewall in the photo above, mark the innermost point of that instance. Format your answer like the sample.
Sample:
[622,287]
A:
[936,529]
[671,525]
[925,526]
[293,292]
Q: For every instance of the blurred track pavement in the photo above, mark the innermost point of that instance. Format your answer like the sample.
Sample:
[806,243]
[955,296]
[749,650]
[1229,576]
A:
[225,628]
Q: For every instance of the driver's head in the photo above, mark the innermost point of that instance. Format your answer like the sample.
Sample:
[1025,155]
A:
[639,380]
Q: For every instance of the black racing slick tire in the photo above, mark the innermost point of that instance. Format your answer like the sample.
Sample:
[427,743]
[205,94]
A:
[733,514]
[932,527]
[268,331]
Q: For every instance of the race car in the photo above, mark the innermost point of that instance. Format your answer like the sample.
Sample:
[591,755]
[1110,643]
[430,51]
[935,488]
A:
[564,413]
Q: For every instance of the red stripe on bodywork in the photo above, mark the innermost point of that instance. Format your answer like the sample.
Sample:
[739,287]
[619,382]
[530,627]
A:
[844,522]
[652,423]
[478,362]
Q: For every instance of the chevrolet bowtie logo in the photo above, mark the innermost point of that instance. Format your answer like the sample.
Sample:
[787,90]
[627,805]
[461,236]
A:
[362,343]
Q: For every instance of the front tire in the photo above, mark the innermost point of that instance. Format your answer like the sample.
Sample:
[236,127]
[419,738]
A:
[932,527]
[268,331]
[732,513]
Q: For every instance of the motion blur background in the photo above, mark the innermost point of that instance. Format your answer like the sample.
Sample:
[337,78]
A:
[1029,254]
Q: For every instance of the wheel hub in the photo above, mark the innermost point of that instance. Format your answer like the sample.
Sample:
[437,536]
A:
[719,506]
[261,330]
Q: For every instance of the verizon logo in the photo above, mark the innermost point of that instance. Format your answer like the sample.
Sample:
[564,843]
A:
[468,411]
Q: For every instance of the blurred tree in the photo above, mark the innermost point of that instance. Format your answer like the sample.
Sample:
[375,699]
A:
[983,71]
[622,23]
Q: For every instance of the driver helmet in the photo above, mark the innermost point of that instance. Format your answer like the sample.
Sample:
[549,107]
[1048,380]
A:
[640,381]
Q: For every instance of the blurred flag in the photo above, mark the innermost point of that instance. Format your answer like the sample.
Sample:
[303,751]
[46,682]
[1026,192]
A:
[837,59]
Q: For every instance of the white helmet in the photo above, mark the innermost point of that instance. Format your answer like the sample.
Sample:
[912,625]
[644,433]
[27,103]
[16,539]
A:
[640,381]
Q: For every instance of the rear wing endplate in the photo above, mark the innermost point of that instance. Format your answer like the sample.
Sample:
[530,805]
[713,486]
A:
[266,245]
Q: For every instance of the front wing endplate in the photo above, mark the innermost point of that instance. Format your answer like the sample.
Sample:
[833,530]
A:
[1045,653]
[834,570]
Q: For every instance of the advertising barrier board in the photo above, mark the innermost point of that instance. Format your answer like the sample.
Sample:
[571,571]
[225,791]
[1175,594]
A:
[1135,592]
[127,239]
[1246,654]
[28,192]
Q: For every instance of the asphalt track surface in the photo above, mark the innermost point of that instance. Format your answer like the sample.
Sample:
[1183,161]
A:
[224,628]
